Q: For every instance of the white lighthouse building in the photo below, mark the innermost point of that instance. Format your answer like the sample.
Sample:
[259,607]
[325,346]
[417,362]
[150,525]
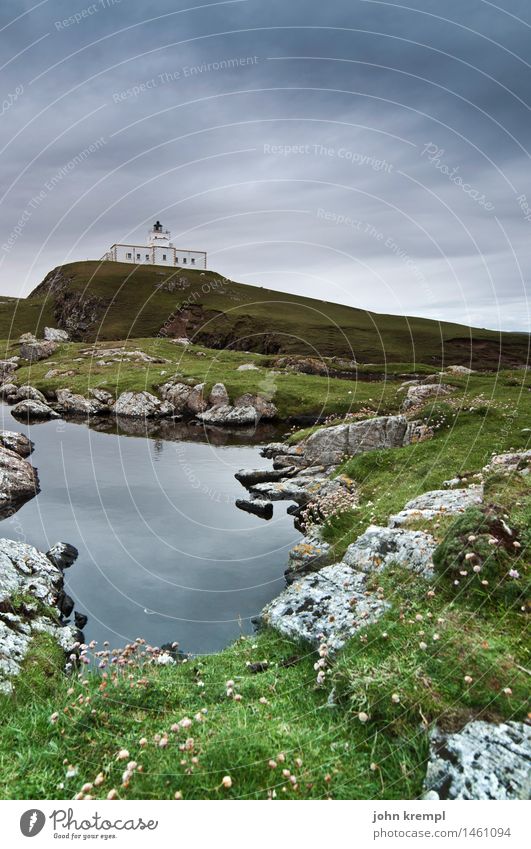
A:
[159,251]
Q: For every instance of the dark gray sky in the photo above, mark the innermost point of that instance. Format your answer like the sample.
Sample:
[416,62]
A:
[372,153]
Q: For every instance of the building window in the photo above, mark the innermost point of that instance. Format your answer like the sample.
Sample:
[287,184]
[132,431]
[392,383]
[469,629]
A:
[138,256]
[129,256]
[147,256]
[193,260]
[164,257]
[184,260]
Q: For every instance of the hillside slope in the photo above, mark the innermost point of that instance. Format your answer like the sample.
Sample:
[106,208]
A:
[110,301]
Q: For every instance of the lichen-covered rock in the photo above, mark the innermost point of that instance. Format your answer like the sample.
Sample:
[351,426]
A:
[7,369]
[7,390]
[418,432]
[54,334]
[140,405]
[247,367]
[33,411]
[418,395]
[219,397]
[264,409]
[27,574]
[257,506]
[379,547]
[459,370]
[438,502]
[77,405]
[482,761]
[328,606]
[517,461]
[33,349]
[300,488]
[26,393]
[102,396]
[228,415]
[18,481]
[308,555]
[176,394]
[17,442]
[328,446]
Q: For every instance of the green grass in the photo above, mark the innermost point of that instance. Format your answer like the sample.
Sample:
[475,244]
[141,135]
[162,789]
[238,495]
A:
[119,301]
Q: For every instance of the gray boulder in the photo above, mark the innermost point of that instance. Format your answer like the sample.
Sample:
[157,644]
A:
[264,409]
[7,369]
[74,404]
[248,477]
[379,547]
[228,415]
[418,395]
[482,761]
[329,606]
[141,405]
[54,334]
[62,555]
[219,397]
[330,445]
[33,411]
[308,555]
[102,396]
[177,395]
[195,401]
[263,509]
[33,349]
[26,393]
[16,442]
[517,461]
[7,390]
[438,502]
[18,481]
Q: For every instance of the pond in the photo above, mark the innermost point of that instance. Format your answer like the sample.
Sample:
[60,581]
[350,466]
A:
[164,554]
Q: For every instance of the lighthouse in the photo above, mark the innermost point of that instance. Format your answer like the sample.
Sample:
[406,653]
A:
[159,250]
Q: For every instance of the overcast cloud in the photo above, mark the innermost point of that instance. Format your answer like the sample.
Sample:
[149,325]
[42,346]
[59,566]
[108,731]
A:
[362,152]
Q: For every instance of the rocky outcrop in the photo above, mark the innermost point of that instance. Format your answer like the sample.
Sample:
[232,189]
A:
[482,761]
[7,369]
[102,396]
[310,554]
[517,461]
[62,555]
[438,502]
[141,405]
[195,401]
[259,507]
[326,607]
[16,442]
[77,405]
[31,598]
[248,477]
[54,334]
[18,481]
[330,445]
[33,411]
[32,349]
[228,415]
[380,547]
[7,390]
[264,409]
[418,395]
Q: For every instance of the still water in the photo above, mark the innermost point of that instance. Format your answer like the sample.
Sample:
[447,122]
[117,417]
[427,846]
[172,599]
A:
[163,552]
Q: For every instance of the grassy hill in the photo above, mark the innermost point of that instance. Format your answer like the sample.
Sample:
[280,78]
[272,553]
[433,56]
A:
[110,301]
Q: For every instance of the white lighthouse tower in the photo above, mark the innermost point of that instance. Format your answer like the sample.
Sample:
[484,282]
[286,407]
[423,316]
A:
[159,250]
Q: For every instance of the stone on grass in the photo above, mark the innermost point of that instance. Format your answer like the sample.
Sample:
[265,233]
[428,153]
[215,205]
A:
[438,502]
[33,349]
[517,461]
[219,397]
[54,334]
[380,547]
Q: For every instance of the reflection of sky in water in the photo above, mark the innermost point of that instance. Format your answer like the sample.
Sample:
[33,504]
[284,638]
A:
[163,552]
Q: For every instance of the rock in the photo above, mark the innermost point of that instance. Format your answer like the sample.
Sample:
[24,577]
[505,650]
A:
[26,573]
[227,415]
[417,395]
[62,555]
[31,410]
[32,349]
[176,394]
[18,481]
[7,369]
[53,334]
[328,446]
[264,409]
[418,432]
[459,370]
[299,489]
[518,461]
[57,372]
[248,367]
[80,620]
[102,396]
[7,390]
[195,401]
[140,405]
[329,606]
[303,365]
[65,604]
[69,402]
[219,397]
[16,442]
[276,449]
[439,502]
[248,477]
[482,761]
[26,393]
[379,547]
[258,507]
[309,555]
